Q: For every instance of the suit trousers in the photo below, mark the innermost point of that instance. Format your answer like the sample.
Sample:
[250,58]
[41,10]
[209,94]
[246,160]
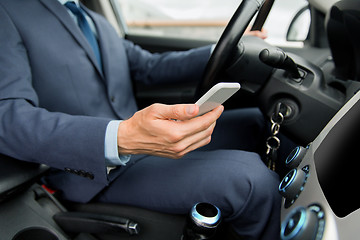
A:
[227,173]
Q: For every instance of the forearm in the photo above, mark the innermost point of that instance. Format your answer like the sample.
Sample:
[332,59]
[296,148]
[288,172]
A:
[166,67]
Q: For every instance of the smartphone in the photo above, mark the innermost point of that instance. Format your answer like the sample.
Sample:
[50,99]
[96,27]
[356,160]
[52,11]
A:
[216,96]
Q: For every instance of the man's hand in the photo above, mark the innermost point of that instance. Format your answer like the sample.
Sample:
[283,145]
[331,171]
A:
[167,130]
[263,34]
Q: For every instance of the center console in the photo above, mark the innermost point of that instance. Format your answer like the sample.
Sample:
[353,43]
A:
[320,190]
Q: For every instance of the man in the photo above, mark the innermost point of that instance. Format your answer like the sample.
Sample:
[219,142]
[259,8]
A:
[61,99]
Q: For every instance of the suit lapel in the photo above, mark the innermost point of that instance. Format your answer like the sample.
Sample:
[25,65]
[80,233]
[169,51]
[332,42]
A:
[60,12]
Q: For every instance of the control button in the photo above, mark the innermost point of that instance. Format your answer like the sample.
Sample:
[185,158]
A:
[294,223]
[295,157]
[306,169]
[303,223]
[320,213]
[293,184]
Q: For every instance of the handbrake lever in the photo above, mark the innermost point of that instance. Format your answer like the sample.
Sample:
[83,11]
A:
[81,222]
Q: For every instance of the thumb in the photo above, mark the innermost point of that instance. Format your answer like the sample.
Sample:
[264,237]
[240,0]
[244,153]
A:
[181,111]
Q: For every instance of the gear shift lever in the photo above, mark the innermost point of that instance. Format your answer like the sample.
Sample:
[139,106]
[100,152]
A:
[279,59]
[202,222]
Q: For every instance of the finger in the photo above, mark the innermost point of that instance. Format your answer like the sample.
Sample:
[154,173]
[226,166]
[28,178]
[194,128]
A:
[200,139]
[192,142]
[185,145]
[178,111]
[216,112]
[201,123]
[195,146]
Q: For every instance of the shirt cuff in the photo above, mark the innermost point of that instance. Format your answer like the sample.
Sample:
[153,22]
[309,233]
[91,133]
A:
[112,156]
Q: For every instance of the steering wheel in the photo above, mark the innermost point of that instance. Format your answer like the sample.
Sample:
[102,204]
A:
[227,44]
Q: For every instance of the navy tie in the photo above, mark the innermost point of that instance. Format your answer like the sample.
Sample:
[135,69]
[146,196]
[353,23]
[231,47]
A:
[85,28]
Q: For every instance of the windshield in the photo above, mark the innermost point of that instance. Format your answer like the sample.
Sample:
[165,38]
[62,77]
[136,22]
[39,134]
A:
[198,19]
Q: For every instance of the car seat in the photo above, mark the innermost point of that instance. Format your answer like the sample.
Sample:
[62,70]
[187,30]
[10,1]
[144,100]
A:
[29,210]
[342,25]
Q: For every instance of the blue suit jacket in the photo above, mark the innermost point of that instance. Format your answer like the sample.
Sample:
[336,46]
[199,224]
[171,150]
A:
[55,102]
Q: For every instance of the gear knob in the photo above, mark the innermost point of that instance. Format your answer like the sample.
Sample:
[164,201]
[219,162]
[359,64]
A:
[202,222]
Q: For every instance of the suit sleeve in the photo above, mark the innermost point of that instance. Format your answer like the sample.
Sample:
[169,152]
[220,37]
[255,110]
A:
[182,66]
[31,133]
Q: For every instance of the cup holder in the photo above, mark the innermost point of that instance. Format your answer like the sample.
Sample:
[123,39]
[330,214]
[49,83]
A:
[37,233]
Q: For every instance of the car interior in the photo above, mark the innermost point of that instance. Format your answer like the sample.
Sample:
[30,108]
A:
[314,88]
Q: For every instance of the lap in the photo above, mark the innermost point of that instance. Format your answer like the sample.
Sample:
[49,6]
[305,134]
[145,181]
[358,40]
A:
[174,185]
[243,129]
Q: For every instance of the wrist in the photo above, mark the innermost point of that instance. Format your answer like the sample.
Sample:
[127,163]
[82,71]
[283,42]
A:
[122,134]
[112,156]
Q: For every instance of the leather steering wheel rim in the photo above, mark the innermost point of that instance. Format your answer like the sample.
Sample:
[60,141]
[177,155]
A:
[227,44]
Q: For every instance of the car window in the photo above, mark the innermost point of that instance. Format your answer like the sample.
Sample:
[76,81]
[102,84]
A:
[198,19]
